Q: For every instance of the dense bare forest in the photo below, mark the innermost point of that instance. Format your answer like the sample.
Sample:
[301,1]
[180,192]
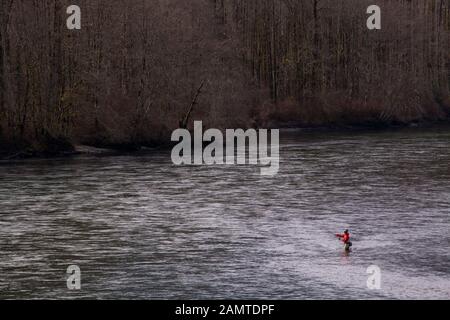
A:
[130,75]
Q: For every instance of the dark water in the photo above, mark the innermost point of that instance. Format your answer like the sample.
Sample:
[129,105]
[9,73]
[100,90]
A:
[139,227]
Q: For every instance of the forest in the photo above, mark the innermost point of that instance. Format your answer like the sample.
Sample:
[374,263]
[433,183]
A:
[139,69]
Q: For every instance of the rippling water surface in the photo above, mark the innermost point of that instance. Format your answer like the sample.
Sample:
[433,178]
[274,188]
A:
[141,228]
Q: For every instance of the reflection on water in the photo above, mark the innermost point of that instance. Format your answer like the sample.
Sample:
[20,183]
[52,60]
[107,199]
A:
[140,227]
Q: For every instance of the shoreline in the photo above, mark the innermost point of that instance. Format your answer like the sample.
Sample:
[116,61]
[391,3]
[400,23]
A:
[133,149]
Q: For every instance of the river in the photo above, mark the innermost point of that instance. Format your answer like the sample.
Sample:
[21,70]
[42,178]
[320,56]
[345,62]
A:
[141,228]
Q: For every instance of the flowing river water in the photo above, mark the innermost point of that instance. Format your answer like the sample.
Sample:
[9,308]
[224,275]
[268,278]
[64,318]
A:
[141,228]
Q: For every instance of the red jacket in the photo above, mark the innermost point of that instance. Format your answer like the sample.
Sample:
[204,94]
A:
[345,237]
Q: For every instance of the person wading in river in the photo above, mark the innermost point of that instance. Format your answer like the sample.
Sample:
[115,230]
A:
[345,237]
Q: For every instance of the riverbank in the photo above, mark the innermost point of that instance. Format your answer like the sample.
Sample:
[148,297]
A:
[74,150]
[59,148]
